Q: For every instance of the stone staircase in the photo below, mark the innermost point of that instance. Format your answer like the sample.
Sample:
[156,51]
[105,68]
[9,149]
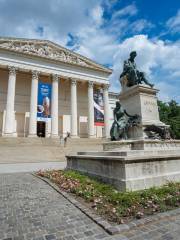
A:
[83,144]
[32,154]
[20,141]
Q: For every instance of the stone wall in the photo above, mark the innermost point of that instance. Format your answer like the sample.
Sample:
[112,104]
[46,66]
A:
[131,172]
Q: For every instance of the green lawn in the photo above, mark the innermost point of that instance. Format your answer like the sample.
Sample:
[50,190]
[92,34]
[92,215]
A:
[114,205]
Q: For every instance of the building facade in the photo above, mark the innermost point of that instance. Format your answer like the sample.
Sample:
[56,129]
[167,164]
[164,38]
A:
[113,98]
[24,65]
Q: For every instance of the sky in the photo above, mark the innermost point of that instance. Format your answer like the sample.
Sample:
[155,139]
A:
[106,31]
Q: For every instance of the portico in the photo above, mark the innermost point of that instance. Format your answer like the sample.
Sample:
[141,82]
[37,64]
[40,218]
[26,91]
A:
[23,64]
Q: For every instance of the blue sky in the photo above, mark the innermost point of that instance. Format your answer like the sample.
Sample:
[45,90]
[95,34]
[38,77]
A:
[106,31]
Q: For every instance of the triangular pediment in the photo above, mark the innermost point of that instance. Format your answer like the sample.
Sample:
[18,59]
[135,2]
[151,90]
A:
[50,50]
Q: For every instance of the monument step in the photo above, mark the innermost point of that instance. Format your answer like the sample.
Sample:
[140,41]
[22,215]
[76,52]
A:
[86,141]
[28,141]
[47,141]
[123,159]
[136,153]
[146,144]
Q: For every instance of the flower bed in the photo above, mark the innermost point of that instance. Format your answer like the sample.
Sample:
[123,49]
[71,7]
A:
[120,207]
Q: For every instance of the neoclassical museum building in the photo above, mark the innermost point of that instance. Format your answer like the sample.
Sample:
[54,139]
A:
[47,90]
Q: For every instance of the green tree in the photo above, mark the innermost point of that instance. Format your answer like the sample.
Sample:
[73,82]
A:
[170,114]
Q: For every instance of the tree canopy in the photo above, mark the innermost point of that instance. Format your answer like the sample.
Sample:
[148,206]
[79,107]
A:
[170,114]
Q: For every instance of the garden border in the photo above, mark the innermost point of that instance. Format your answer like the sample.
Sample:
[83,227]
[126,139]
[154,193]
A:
[111,229]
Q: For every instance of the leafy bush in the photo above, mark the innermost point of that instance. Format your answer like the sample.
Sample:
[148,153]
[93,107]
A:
[170,114]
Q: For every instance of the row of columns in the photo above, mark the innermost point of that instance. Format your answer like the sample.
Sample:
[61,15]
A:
[91,132]
[10,116]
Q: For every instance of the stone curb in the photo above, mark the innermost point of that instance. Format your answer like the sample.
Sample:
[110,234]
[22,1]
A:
[111,229]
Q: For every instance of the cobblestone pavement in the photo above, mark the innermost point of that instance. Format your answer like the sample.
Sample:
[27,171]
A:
[31,209]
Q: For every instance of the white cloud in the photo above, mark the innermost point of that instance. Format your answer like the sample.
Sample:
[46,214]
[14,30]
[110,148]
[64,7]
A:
[122,22]
[100,45]
[97,15]
[168,91]
[99,39]
[94,40]
[152,56]
[129,10]
[140,25]
[174,23]
[109,4]
[96,37]
[58,17]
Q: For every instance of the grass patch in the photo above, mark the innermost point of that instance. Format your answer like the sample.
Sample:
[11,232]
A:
[116,206]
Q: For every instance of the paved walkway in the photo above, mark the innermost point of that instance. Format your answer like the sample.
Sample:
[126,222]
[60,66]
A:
[31,209]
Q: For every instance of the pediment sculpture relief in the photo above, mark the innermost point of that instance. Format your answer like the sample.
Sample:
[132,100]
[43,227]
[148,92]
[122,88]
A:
[43,50]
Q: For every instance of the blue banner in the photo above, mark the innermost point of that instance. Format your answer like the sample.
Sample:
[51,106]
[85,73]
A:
[44,101]
[98,108]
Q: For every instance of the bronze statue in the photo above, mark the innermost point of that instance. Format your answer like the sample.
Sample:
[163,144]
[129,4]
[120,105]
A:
[133,76]
[158,132]
[122,121]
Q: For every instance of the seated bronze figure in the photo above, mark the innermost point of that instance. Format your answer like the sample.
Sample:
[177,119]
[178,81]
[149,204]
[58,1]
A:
[133,76]
[122,121]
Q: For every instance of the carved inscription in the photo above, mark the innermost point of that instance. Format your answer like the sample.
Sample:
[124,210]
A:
[150,105]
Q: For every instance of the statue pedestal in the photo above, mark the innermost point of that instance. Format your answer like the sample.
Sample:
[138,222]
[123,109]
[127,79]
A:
[141,100]
[131,165]
[137,163]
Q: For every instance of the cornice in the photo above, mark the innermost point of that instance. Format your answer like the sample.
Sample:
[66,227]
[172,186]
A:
[138,89]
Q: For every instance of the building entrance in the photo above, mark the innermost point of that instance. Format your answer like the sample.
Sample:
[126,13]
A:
[41,129]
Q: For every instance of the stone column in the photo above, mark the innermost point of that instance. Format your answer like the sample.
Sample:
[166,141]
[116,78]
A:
[73,109]
[106,111]
[90,111]
[10,116]
[54,106]
[33,105]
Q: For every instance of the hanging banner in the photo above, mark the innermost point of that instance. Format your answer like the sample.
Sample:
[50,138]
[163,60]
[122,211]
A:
[44,101]
[98,108]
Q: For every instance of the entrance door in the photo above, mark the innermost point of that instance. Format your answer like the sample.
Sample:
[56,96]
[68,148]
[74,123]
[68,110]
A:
[41,129]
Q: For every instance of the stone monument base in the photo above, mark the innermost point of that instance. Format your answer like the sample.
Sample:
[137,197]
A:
[131,165]
[145,144]
[141,100]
